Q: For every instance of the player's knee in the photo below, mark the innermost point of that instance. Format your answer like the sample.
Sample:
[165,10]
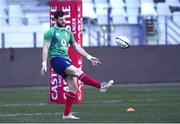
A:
[79,72]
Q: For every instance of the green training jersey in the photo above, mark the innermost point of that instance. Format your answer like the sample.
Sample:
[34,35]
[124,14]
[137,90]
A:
[59,41]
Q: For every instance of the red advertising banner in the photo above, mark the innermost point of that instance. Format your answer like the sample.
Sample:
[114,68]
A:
[74,22]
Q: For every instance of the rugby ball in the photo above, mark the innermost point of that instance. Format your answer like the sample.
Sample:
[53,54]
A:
[122,41]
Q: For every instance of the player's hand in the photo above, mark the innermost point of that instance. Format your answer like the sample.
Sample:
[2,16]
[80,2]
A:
[95,61]
[44,68]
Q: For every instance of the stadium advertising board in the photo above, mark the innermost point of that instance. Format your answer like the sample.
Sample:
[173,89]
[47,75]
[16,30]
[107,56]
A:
[73,13]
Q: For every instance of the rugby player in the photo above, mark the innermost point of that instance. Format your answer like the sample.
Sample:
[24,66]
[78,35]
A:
[55,45]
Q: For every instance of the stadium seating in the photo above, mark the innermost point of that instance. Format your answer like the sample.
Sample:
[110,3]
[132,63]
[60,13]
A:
[121,12]
[118,13]
[132,19]
[23,36]
[173,2]
[119,20]
[102,13]
[32,19]
[29,22]
[23,2]
[100,1]
[147,1]
[163,9]
[132,10]
[118,16]
[132,14]
[3,4]
[132,3]
[147,9]
[176,17]
[15,15]
[116,3]
[163,12]
[3,17]
[87,1]
[86,7]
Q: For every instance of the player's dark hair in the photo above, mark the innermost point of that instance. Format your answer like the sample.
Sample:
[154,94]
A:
[58,14]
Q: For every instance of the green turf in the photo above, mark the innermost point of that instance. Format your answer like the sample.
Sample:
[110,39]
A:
[153,103]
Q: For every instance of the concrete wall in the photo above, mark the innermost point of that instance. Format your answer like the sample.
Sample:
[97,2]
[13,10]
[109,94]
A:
[142,64]
[21,67]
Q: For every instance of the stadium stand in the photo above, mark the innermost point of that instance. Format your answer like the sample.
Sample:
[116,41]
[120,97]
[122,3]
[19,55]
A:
[163,9]
[118,16]
[3,4]
[16,15]
[32,19]
[86,7]
[163,12]
[102,11]
[159,19]
[3,14]
[20,21]
[146,1]
[147,9]
[117,3]
[176,18]
[118,13]
[172,2]
[3,17]
[134,3]
[132,14]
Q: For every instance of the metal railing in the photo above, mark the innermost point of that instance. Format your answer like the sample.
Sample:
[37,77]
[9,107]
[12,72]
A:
[175,30]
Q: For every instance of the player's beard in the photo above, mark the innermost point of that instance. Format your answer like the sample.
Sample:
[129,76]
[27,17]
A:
[60,25]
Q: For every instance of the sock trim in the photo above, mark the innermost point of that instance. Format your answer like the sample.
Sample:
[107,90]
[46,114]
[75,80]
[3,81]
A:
[72,95]
[81,76]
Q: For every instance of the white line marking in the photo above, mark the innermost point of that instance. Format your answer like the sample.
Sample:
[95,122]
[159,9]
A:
[44,104]
[112,101]
[27,114]
[28,104]
[105,101]
[31,114]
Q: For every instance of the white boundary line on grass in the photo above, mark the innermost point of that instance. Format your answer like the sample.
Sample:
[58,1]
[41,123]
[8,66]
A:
[28,114]
[24,104]
[41,104]
[31,114]
[44,104]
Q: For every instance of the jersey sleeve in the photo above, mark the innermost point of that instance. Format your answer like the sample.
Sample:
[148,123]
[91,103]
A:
[72,40]
[48,36]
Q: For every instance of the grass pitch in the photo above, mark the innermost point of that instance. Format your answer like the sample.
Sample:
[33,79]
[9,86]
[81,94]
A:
[154,103]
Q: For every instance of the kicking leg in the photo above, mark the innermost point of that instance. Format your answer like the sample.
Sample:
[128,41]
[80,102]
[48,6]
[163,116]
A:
[72,70]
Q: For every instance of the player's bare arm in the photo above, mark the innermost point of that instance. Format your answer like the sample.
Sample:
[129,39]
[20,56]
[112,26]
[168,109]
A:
[46,46]
[82,52]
